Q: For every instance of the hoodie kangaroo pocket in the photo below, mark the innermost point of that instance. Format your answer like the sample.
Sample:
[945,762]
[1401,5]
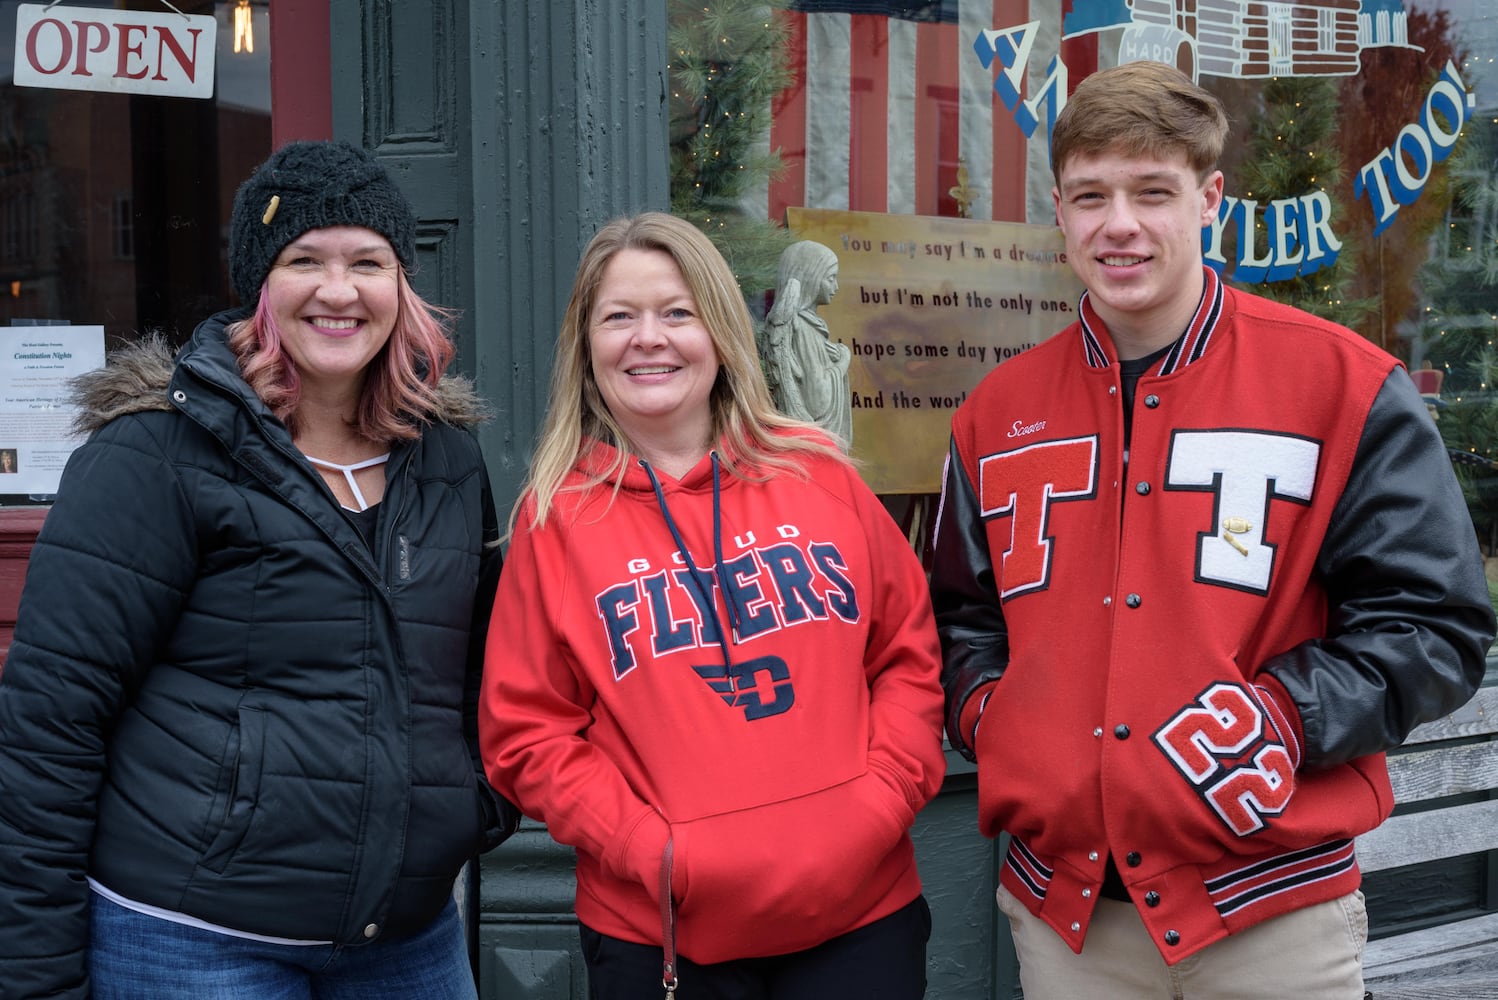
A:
[788,875]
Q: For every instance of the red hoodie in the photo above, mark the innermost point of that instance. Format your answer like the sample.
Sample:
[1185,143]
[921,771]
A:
[781,740]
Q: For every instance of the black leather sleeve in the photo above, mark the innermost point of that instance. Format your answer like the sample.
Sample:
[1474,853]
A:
[965,597]
[1409,622]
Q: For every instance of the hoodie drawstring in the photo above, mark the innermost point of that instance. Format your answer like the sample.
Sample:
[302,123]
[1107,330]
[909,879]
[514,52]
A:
[710,606]
[720,571]
[718,567]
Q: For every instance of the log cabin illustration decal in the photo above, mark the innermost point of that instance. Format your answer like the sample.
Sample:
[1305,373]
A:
[1244,39]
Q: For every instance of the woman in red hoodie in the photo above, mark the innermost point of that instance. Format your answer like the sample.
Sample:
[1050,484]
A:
[712,668]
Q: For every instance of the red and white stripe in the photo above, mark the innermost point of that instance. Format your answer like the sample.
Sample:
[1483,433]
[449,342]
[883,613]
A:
[881,109]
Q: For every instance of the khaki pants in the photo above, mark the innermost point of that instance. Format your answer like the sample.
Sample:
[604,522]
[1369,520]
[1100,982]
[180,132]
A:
[1310,954]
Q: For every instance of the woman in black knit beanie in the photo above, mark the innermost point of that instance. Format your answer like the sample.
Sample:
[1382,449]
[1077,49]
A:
[237,740]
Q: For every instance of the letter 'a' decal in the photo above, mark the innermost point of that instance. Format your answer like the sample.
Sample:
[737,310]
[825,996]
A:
[1022,484]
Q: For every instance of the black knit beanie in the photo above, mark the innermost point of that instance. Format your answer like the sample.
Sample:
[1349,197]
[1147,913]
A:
[312,185]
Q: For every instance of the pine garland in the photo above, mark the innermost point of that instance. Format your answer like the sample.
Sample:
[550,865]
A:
[1292,150]
[1459,321]
[728,62]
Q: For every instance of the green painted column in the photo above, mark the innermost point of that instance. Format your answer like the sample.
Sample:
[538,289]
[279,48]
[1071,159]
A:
[569,129]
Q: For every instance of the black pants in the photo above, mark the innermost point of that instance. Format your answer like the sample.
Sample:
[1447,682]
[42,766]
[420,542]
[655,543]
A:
[885,960]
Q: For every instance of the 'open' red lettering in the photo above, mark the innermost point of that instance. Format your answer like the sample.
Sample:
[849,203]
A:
[129,48]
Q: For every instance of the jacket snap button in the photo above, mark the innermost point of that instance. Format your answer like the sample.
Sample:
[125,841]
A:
[1172,937]
[371,930]
[1121,731]
[1152,899]
[1076,926]
[1133,600]
[1132,859]
[1152,401]
[1086,893]
[1143,489]
[1097,732]
[179,396]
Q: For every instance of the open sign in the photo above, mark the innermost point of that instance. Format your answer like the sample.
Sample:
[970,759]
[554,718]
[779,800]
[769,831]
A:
[121,51]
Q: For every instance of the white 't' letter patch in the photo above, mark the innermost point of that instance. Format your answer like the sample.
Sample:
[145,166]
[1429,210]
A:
[1246,470]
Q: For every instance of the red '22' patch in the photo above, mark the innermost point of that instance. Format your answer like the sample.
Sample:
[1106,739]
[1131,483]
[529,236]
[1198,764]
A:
[1224,747]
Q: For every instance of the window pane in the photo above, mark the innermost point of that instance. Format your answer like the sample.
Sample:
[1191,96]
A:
[114,208]
[1360,175]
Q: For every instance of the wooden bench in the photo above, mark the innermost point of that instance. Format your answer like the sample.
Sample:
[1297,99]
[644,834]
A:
[1455,758]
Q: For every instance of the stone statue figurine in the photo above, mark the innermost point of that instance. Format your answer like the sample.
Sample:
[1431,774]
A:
[807,371]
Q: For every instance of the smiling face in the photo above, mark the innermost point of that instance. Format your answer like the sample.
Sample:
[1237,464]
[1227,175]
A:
[652,356]
[1133,228]
[334,294]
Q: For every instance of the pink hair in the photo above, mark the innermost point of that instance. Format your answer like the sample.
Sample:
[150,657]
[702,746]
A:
[400,389]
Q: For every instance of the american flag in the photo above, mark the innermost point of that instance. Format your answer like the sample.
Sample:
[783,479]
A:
[888,98]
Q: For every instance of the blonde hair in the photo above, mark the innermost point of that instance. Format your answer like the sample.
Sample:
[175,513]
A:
[744,417]
[1140,109]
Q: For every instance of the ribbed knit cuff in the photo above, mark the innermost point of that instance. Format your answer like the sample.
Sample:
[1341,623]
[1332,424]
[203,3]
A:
[1277,703]
[972,713]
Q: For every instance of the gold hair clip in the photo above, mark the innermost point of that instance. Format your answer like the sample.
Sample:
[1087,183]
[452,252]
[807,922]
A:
[270,210]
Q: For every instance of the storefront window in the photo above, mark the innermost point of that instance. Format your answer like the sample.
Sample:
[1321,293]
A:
[125,129]
[114,207]
[912,138]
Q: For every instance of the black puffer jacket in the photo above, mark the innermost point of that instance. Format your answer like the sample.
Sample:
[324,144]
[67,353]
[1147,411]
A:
[218,701]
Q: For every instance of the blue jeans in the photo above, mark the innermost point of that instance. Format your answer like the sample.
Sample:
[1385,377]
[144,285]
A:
[133,956]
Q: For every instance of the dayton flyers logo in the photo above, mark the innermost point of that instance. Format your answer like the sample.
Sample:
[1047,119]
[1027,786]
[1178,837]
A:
[1228,749]
[740,686]
[785,583]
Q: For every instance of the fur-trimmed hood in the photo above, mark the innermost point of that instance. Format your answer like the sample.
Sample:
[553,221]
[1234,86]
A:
[134,379]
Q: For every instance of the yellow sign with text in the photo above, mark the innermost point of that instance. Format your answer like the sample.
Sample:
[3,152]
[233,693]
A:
[928,306]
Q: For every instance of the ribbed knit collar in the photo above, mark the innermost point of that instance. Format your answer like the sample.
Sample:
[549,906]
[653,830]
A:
[1098,350]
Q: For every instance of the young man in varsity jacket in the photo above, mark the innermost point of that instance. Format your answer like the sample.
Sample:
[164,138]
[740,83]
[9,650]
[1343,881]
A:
[1201,558]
